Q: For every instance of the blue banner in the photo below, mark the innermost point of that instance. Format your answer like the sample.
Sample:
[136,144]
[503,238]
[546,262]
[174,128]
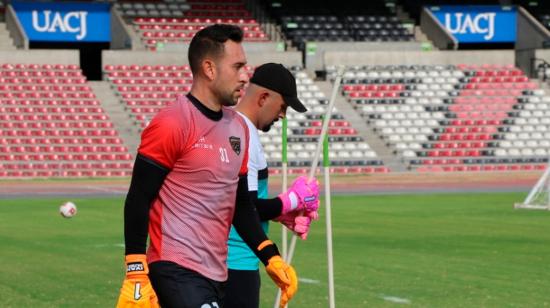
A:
[65,21]
[478,23]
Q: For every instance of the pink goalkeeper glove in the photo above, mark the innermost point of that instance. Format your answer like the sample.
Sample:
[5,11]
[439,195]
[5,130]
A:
[301,196]
[297,222]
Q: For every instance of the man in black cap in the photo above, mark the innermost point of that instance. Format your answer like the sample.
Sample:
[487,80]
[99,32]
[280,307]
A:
[271,90]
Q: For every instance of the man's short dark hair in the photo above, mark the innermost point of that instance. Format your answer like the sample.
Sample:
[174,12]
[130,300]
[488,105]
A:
[209,42]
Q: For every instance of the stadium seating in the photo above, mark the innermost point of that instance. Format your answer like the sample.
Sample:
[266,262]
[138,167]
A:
[162,22]
[152,9]
[304,21]
[300,29]
[51,125]
[189,9]
[454,118]
[145,89]
[161,30]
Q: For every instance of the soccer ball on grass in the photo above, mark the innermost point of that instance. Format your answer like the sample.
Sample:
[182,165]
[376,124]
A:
[67,209]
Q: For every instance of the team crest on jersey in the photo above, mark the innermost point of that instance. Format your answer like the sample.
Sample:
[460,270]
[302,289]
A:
[235,144]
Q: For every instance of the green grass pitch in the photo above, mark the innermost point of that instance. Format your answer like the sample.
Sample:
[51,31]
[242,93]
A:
[443,250]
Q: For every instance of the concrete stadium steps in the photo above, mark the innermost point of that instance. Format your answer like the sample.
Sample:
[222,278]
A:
[118,114]
[6,43]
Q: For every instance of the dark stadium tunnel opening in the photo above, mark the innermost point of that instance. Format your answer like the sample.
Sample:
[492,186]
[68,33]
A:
[485,46]
[89,55]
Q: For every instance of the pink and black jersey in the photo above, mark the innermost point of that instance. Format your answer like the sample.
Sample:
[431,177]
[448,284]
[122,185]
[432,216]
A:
[205,151]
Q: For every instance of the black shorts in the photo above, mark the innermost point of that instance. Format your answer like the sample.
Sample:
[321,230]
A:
[177,286]
[242,289]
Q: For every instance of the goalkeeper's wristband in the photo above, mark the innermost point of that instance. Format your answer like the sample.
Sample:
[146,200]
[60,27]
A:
[266,250]
[136,264]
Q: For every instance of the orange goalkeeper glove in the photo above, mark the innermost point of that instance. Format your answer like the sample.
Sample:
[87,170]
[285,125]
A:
[137,291]
[284,276]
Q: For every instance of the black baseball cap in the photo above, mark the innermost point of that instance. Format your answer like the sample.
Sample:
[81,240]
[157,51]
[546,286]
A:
[276,77]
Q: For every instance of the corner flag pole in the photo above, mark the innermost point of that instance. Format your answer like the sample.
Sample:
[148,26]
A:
[313,169]
[284,237]
[328,213]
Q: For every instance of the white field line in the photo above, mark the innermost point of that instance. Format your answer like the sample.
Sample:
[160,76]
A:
[120,245]
[307,280]
[395,299]
[106,189]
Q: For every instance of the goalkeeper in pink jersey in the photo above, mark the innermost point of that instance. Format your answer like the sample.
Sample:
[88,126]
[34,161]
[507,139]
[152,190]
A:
[272,89]
[189,184]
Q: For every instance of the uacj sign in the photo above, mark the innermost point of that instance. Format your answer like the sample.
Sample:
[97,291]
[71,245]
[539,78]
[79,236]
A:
[65,21]
[71,22]
[478,24]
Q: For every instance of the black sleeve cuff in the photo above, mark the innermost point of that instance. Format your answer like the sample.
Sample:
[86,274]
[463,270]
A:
[269,251]
[247,223]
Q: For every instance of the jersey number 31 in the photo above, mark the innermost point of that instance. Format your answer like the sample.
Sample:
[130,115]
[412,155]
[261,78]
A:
[223,155]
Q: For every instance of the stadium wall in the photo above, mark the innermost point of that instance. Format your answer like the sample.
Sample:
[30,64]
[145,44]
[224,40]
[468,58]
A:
[400,57]
[121,37]
[531,36]
[37,56]
[293,58]
[315,52]
[249,47]
[543,54]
